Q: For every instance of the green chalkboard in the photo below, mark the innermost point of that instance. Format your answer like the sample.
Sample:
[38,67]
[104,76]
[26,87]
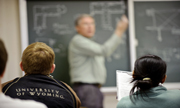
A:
[52,22]
[157,27]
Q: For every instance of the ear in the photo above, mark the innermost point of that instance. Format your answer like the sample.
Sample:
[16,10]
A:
[133,74]
[77,28]
[164,79]
[52,68]
[21,66]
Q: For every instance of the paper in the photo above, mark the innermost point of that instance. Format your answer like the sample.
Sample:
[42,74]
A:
[123,79]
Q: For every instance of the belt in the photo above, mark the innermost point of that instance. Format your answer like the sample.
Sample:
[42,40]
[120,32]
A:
[94,84]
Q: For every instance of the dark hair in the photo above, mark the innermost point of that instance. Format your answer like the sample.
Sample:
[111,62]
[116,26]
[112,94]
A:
[149,71]
[3,57]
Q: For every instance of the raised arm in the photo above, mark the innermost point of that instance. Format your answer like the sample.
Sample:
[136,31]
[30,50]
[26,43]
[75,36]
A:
[88,47]
[121,26]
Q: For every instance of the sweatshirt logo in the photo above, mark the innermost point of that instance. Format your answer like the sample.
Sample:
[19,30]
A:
[39,92]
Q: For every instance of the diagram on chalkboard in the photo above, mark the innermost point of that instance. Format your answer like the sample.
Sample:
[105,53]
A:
[164,20]
[42,13]
[106,10]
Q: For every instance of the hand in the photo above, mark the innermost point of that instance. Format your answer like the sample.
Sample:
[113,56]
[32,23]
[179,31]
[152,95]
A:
[121,26]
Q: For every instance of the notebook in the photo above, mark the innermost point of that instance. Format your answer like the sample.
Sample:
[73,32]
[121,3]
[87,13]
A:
[123,83]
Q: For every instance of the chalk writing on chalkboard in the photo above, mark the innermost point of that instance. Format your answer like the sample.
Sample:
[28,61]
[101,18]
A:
[109,12]
[52,22]
[62,29]
[60,48]
[41,13]
[164,20]
[117,54]
[168,54]
[106,10]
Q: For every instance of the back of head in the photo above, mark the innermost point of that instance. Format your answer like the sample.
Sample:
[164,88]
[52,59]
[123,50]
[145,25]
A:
[3,57]
[38,58]
[149,71]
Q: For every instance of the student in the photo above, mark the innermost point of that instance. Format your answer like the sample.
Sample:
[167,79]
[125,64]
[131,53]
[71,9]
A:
[37,84]
[87,59]
[149,73]
[6,101]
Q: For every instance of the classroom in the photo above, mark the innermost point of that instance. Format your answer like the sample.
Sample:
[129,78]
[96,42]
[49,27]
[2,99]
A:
[154,28]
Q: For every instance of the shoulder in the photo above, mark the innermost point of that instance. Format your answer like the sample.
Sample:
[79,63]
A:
[123,102]
[7,84]
[79,39]
[170,98]
[7,102]
[173,94]
[78,102]
[75,38]
[78,36]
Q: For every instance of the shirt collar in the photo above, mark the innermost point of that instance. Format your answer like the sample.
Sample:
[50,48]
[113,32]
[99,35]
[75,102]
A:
[154,91]
[86,37]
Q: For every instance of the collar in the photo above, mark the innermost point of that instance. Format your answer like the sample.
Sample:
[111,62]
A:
[154,91]
[86,37]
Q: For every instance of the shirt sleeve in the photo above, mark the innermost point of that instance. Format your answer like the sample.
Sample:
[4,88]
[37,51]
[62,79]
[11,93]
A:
[91,48]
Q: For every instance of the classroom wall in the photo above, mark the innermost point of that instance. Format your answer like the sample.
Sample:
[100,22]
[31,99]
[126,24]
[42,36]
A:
[10,34]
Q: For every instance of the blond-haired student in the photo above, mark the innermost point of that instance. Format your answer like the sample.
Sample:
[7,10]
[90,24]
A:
[37,84]
[6,101]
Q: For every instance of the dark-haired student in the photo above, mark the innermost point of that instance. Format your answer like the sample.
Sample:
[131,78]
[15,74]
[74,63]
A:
[149,73]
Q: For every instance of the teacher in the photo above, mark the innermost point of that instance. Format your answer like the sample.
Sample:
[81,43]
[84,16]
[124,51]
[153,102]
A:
[87,59]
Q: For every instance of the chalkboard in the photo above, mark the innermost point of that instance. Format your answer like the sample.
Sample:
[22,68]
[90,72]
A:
[157,30]
[52,22]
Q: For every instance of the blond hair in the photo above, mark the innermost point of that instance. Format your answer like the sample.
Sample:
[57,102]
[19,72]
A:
[38,58]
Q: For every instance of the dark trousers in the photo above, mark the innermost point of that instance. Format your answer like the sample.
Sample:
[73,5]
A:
[89,94]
